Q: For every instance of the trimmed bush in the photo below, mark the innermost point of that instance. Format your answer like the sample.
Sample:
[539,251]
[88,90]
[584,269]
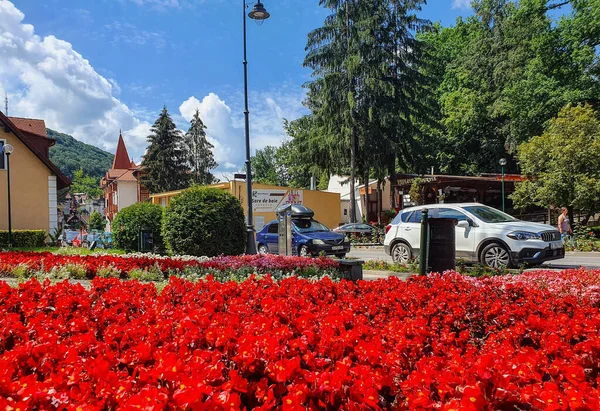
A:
[205,221]
[129,221]
[24,238]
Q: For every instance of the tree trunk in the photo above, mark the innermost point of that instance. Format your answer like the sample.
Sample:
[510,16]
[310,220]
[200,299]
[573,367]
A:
[393,180]
[352,181]
[352,133]
[366,210]
[571,216]
[379,201]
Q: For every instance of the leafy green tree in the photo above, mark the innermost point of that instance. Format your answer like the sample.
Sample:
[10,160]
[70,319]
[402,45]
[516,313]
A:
[503,73]
[165,164]
[97,222]
[306,154]
[200,152]
[266,169]
[563,164]
[85,184]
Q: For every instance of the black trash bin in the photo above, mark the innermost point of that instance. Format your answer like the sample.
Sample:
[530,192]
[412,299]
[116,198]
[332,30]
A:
[146,241]
[442,244]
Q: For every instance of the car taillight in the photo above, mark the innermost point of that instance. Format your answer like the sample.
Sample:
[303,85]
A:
[387,228]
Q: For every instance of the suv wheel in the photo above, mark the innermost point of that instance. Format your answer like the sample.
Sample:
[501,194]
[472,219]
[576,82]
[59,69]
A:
[262,249]
[495,256]
[401,253]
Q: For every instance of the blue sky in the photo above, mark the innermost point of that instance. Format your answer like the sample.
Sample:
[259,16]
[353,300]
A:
[92,67]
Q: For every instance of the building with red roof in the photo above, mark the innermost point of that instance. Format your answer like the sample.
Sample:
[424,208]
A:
[121,185]
[34,179]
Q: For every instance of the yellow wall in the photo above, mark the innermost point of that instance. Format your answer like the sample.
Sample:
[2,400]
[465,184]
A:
[29,189]
[327,206]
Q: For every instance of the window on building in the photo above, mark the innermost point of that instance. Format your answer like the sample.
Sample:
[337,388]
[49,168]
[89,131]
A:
[2,155]
[163,201]
[345,211]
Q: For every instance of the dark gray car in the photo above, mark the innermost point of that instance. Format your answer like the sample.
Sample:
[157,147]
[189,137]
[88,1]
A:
[355,228]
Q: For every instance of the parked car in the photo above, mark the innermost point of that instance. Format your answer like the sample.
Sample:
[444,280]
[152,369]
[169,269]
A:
[79,240]
[309,238]
[102,239]
[356,229]
[68,236]
[483,235]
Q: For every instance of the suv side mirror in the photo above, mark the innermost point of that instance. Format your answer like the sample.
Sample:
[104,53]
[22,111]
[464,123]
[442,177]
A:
[463,224]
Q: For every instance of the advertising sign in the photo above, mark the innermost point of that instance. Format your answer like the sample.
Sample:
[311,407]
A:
[267,201]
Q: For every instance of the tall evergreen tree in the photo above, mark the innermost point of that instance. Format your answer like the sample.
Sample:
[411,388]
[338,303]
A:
[165,163]
[200,152]
[369,87]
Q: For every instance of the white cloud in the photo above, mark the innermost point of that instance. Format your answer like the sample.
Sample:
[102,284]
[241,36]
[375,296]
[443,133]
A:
[157,3]
[130,34]
[46,78]
[225,127]
[163,5]
[461,4]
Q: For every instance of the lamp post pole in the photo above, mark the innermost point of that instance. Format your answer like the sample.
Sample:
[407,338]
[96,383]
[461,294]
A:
[258,13]
[8,149]
[502,164]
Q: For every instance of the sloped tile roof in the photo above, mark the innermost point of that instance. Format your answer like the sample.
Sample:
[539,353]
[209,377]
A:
[30,125]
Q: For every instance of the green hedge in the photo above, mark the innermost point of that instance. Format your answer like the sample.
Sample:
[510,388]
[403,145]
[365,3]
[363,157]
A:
[205,221]
[128,222]
[24,238]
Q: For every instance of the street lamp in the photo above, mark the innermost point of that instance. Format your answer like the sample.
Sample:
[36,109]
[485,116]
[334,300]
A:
[8,149]
[502,164]
[259,14]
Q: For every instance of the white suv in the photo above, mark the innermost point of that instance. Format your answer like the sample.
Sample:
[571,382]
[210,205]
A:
[483,234]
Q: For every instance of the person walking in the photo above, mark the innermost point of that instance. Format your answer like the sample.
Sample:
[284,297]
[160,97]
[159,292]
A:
[564,225]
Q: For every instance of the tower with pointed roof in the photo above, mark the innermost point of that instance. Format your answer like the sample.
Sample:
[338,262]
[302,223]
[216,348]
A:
[121,184]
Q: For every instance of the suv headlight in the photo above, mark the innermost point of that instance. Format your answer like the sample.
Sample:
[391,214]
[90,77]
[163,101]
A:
[523,235]
[318,242]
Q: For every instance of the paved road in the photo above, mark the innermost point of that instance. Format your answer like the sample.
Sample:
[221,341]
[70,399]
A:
[571,260]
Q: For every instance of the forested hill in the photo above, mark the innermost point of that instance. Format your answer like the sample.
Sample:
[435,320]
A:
[70,154]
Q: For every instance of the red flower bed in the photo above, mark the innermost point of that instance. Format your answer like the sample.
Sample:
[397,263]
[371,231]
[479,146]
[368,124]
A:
[526,343]
[262,263]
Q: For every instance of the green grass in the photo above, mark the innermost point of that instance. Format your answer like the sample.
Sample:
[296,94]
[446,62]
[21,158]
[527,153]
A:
[71,250]
[474,270]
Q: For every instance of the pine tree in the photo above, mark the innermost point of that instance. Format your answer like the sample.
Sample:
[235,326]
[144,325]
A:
[165,164]
[97,222]
[200,152]
[369,89]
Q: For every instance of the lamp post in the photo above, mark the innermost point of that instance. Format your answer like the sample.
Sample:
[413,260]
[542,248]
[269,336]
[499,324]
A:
[502,164]
[8,149]
[259,14]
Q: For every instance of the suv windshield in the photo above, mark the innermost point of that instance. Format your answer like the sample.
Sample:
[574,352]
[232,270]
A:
[489,214]
[308,226]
